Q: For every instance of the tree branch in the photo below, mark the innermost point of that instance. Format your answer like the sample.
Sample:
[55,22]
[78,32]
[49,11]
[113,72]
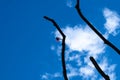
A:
[95,30]
[106,77]
[63,46]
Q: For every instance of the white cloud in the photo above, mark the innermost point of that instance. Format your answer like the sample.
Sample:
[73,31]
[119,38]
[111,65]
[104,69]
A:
[48,76]
[112,21]
[45,76]
[69,3]
[83,40]
[108,69]
[57,75]
[74,57]
[86,71]
[72,71]
[52,47]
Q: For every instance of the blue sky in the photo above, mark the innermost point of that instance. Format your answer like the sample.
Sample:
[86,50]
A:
[29,51]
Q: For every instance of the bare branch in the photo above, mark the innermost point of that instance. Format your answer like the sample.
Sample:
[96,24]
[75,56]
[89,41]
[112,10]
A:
[106,77]
[55,24]
[95,30]
[63,46]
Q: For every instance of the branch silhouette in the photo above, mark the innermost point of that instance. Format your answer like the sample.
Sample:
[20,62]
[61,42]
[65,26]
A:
[106,77]
[95,30]
[63,46]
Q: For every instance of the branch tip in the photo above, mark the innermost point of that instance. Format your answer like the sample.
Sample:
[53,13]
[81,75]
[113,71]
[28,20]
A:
[47,18]
[77,5]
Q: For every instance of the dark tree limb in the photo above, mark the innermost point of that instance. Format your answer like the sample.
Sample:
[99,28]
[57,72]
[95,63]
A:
[95,30]
[106,77]
[63,46]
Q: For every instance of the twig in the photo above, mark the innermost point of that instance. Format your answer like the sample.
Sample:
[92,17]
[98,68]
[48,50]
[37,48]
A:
[95,30]
[106,77]
[63,46]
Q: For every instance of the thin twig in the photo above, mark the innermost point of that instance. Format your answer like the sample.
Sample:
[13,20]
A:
[95,30]
[63,46]
[106,77]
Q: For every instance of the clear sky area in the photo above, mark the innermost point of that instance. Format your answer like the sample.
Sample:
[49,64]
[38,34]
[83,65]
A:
[29,50]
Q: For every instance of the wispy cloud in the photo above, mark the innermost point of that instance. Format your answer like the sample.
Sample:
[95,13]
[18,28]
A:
[109,69]
[112,21]
[70,3]
[45,76]
[72,71]
[86,71]
[52,47]
[48,76]
[82,39]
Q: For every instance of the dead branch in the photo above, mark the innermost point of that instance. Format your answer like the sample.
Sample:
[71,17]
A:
[95,30]
[106,77]
[63,46]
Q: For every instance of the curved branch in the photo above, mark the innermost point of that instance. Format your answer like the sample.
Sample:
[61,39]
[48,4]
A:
[95,30]
[63,46]
[106,77]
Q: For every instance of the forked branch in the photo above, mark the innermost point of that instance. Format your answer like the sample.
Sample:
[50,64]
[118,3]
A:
[106,77]
[95,30]
[63,46]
